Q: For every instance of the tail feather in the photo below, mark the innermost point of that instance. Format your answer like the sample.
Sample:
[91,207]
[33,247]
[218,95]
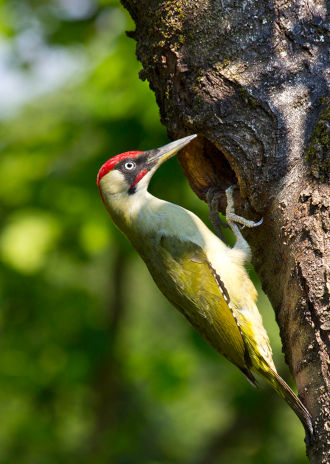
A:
[292,400]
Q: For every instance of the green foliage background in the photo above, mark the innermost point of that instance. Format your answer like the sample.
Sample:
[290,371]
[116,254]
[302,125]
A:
[95,366]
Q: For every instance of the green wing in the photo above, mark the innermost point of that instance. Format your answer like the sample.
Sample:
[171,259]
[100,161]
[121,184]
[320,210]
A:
[193,286]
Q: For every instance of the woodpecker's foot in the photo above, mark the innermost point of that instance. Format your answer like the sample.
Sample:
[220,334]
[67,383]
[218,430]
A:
[233,218]
[212,198]
[230,211]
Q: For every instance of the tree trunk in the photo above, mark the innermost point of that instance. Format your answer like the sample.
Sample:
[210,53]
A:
[250,78]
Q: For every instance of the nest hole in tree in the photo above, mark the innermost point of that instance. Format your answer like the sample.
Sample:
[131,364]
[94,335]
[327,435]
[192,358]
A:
[205,167]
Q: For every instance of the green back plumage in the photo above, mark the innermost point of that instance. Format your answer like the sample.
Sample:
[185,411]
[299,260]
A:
[186,277]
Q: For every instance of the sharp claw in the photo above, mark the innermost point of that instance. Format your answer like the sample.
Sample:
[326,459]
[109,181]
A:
[252,224]
[256,224]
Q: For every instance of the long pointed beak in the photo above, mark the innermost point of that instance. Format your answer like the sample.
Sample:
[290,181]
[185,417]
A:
[159,155]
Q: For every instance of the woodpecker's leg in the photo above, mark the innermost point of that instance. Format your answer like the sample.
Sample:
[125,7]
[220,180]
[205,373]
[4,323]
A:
[212,198]
[233,218]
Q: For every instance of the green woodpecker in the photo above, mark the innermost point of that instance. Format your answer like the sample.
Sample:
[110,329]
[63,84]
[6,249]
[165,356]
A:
[200,275]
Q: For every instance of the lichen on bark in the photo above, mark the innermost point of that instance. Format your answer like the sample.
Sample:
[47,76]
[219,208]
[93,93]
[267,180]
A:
[318,150]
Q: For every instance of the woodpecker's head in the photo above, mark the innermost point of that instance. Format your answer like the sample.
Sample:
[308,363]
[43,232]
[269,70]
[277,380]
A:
[130,172]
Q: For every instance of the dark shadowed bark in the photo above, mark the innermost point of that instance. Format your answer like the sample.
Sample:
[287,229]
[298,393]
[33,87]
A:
[250,78]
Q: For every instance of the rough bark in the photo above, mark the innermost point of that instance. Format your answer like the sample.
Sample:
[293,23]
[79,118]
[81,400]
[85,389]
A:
[250,78]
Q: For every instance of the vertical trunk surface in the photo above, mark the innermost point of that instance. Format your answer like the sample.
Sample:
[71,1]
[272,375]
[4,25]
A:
[250,78]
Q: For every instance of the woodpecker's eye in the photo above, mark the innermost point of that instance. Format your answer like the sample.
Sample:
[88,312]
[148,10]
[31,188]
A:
[129,165]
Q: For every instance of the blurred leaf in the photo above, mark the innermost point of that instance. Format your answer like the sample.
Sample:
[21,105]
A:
[27,238]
